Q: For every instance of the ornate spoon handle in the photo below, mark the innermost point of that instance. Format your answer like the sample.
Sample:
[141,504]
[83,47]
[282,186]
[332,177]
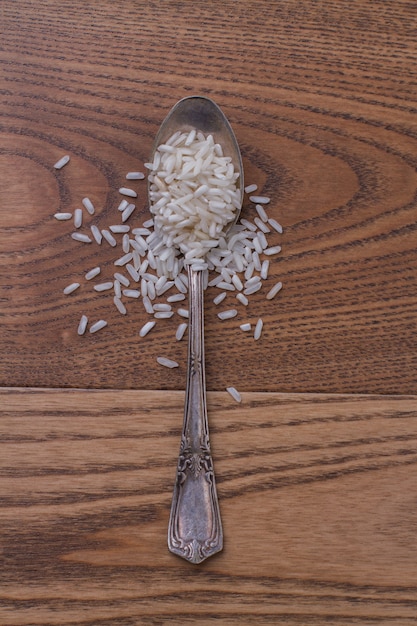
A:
[195,529]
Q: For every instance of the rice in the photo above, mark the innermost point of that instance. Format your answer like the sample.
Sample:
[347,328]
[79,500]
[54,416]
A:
[242,299]
[92,273]
[261,212]
[96,234]
[70,288]
[218,299]
[88,205]
[128,212]
[177,297]
[119,305]
[245,327]
[260,199]
[109,237]
[234,393]
[194,196]
[131,293]
[146,328]
[97,326]
[82,326]
[272,250]
[251,188]
[78,218]
[166,362]
[122,279]
[104,286]
[273,291]
[183,313]
[181,331]
[125,191]
[227,315]
[62,217]
[81,237]
[258,329]
[275,225]
[119,228]
[62,161]
[135,176]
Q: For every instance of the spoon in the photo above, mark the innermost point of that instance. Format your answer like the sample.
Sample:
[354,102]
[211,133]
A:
[195,528]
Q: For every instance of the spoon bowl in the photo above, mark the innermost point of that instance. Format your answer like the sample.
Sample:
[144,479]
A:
[195,528]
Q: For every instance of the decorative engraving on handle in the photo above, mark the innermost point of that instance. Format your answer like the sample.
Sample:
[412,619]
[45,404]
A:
[195,529]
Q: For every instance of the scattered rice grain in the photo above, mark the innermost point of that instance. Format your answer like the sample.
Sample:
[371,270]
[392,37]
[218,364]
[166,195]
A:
[96,234]
[81,237]
[181,331]
[82,326]
[70,288]
[251,188]
[135,176]
[119,305]
[62,216]
[92,273]
[234,393]
[273,292]
[273,250]
[146,328]
[166,362]
[97,326]
[62,161]
[227,315]
[258,329]
[260,199]
[109,237]
[78,218]
[125,191]
[103,286]
[88,205]
[245,327]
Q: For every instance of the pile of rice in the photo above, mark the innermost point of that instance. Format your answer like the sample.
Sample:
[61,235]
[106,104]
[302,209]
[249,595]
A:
[195,194]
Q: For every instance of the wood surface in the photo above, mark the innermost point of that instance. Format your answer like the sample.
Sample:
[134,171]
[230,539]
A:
[317,496]
[316,469]
[322,99]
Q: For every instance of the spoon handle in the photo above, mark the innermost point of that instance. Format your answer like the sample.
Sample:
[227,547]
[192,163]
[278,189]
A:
[195,529]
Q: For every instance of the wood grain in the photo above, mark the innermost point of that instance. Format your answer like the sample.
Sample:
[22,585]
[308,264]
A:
[317,494]
[322,98]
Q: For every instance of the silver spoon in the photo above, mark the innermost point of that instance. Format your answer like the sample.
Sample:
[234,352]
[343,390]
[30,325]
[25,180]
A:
[195,528]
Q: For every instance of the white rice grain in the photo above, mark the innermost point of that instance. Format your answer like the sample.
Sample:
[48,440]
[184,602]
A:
[81,237]
[273,250]
[88,205]
[261,212]
[242,299]
[82,326]
[131,293]
[183,313]
[176,297]
[97,326]
[218,299]
[128,212]
[227,315]
[251,188]
[62,217]
[125,191]
[166,362]
[135,176]
[92,273]
[78,218]
[62,161]
[245,327]
[122,279]
[181,331]
[103,286]
[273,291]
[258,329]
[275,225]
[70,288]
[119,305]
[146,328]
[163,315]
[260,199]
[119,228]
[96,234]
[234,393]
[109,237]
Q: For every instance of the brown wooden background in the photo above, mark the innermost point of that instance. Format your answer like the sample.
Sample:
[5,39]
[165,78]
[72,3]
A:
[317,467]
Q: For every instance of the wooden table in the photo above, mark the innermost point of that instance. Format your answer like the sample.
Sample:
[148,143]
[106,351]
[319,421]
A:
[316,468]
